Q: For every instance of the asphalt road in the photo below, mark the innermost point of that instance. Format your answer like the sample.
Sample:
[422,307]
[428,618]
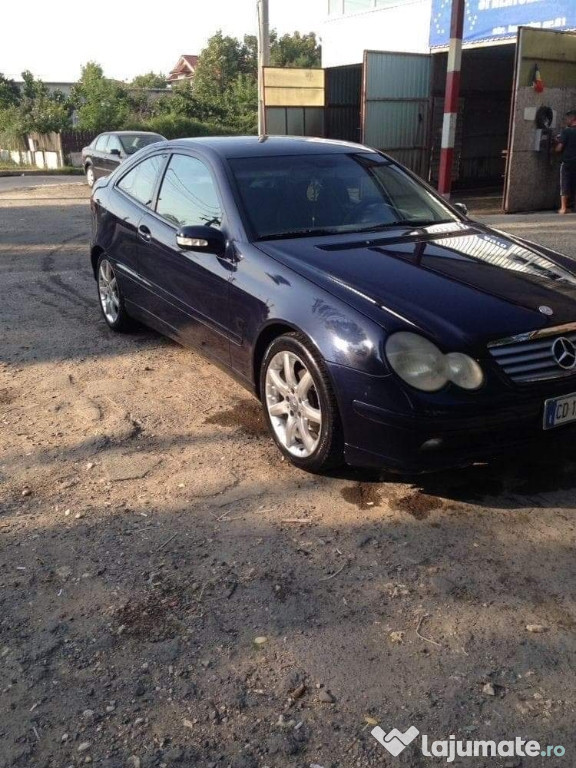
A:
[548,228]
[8,183]
[150,534]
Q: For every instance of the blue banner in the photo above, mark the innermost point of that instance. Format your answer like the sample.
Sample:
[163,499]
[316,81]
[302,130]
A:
[500,19]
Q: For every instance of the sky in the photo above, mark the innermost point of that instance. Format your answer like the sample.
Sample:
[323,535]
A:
[54,39]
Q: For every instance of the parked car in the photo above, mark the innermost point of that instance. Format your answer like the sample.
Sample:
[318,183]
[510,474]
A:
[109,149]
[377,323]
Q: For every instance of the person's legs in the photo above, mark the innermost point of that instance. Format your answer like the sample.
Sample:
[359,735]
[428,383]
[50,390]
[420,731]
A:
[565,190]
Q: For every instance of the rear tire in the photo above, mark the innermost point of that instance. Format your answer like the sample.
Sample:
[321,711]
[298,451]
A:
[299,404]
[90,175]
[110,297]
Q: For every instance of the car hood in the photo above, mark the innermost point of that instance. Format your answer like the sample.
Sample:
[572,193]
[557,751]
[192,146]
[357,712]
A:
[461,280]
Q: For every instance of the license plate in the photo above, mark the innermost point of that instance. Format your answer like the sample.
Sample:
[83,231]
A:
[559,410]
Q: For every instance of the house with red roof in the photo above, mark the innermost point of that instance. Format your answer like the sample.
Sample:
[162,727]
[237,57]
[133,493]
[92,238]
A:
[184,69]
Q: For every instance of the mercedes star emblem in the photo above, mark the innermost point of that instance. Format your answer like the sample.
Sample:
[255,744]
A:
[546,310]
[564,353]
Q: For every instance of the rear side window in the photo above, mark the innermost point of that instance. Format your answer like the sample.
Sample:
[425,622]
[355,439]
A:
[131,143]
[140,181]
[188,194]
[101,143]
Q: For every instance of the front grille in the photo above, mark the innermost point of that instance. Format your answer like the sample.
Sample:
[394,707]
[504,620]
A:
[529,357]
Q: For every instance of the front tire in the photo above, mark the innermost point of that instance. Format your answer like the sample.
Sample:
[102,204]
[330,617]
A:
[110,297]
[299,404]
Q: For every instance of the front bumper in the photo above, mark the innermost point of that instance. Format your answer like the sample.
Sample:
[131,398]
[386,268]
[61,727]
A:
[413,433]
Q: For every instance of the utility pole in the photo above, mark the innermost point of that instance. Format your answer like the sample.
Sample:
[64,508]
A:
[263,60]
[451,98]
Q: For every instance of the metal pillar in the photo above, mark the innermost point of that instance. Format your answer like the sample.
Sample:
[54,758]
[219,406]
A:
[263,60]
[451,99]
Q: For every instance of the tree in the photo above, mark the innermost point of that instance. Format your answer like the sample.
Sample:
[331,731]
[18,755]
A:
[241,105]
[219,64]
[295,50]
[149,80]
[9,93]
[36,110]
[101,104]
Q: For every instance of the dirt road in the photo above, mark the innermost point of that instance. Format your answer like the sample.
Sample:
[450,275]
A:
[149,534]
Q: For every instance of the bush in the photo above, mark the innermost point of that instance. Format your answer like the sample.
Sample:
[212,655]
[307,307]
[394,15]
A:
[178,127]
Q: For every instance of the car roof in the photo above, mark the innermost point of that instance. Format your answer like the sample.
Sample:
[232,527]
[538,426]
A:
[250,146]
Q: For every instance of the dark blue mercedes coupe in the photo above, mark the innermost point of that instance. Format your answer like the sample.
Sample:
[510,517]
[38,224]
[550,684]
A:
[378,325]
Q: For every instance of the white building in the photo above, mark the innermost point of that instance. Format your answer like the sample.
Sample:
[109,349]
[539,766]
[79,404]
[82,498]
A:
[355,26]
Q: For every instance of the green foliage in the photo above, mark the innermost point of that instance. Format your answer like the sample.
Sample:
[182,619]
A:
[149,80]
[184,101]
[290,50]
[177,126]
[12,130]
[225,82]
[241,104]
[101,104]
[35,110]
[219,65]
[9,93]
[295,50]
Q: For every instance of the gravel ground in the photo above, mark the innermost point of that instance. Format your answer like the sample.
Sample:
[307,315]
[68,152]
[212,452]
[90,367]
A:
[173,594]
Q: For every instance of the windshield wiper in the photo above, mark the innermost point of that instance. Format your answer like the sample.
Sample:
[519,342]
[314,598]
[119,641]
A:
[339,231]
[302,233]
[404,223]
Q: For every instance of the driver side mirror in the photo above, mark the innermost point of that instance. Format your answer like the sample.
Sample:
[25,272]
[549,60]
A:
[462,208]
[115,152]
[203,239]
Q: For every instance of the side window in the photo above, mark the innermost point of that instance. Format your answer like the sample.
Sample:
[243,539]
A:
[188,194]
[101,143]
[140,181]
[114,143]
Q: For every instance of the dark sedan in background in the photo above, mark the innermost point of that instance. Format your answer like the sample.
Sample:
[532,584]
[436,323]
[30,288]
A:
[377,324]
[108,150]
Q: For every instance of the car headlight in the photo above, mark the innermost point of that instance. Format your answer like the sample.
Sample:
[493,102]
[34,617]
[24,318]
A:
[421,364]
[464,371]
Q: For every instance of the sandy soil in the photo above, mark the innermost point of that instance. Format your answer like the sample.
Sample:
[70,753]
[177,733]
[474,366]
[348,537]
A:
[150,533]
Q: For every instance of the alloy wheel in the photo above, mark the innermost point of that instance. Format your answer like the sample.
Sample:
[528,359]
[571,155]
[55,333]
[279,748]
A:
[293,404]
[109,292]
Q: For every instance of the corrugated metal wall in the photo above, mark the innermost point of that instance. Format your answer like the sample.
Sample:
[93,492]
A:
[343,99]
[396,108]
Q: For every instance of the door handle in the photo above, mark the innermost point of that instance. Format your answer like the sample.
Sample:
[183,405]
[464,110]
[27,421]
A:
[144,233]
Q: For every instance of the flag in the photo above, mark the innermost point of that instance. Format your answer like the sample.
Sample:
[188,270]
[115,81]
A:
[537,82]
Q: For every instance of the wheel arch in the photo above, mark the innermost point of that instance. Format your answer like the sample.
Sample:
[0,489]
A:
[94,256]
[267,335]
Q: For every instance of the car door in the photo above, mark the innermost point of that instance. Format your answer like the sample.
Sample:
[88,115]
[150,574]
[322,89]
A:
[133,193]
[114,154]
[191,287]
[99,156]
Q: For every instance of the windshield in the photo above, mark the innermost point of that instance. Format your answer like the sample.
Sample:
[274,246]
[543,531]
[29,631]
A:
[295,196]
[133,142]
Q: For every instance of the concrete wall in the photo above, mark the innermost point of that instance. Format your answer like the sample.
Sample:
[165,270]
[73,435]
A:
[405,27]
[20,157]
[533,176]
[65,88]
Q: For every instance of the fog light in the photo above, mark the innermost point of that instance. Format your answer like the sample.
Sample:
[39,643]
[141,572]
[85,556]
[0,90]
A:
[434,444]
